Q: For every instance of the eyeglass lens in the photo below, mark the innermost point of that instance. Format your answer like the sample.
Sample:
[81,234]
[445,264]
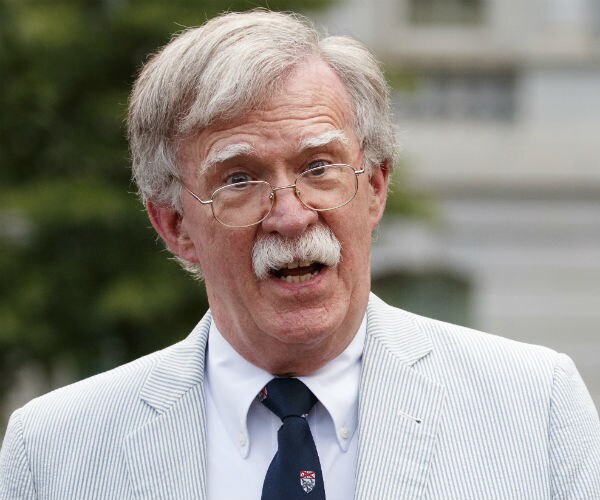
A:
[321,188]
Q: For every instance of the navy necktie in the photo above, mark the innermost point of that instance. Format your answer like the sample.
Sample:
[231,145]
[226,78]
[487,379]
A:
[295,471]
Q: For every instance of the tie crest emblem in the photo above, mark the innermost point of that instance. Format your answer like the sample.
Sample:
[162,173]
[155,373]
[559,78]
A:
[307,480]
[262,395]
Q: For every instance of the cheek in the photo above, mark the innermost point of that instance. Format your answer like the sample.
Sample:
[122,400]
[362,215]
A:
[367,214]
[355,236]
[225,254]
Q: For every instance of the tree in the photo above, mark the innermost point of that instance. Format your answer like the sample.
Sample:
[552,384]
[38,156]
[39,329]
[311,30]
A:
[83,282]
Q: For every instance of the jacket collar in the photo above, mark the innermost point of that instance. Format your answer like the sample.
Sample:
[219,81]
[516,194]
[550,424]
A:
[400,407]
[166,456]
[398,331]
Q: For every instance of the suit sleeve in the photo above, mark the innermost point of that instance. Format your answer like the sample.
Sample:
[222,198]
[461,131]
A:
[16,481]
[574,430]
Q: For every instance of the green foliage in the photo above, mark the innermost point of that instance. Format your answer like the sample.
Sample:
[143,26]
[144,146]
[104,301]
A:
[404,200]
[83,281]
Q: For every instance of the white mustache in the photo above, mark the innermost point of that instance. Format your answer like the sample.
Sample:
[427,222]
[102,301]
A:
[273,251]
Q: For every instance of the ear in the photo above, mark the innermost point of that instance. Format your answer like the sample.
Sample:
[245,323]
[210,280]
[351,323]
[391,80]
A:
[378,187]
[168,224]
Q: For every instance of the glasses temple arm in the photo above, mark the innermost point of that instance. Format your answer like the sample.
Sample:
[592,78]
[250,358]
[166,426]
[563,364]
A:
[196,197]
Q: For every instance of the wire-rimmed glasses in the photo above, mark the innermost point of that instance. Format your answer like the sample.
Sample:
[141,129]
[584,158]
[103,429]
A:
[248,203]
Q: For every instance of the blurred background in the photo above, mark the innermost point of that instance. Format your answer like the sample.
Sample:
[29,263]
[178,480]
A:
[493,220]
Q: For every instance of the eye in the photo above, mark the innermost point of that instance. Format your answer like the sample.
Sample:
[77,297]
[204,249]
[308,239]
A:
[316,167]
[317,164]
[237,178]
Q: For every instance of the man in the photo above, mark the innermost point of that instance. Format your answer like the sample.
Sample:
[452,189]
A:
[262,154]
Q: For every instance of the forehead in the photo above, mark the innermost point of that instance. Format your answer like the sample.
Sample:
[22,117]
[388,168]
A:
[312,107]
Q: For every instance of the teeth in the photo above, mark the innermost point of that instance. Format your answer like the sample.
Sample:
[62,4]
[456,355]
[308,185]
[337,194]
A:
[295,264]
[299,279]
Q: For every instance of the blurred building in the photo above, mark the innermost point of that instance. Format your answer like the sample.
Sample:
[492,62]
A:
[498,107]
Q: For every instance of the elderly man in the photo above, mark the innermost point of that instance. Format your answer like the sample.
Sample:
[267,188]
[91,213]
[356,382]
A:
[262,153]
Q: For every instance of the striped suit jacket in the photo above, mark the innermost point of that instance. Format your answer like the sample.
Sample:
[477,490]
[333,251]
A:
[444,412]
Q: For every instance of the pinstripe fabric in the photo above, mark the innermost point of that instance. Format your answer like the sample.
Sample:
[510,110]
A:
[136,432]
[450,413]
[444,413]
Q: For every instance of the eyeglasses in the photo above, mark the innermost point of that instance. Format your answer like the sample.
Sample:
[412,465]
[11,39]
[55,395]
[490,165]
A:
[248,203]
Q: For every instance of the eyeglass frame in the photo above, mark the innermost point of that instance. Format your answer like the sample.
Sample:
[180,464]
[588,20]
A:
[274,190]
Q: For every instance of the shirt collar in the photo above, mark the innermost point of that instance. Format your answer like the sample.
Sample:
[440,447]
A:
[234,383]
[336,387]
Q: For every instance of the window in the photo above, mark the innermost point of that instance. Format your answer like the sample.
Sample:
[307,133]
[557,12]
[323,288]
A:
[453,95]
[446,11]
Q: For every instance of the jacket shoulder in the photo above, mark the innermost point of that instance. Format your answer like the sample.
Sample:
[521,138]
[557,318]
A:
[456,342]
[459,356]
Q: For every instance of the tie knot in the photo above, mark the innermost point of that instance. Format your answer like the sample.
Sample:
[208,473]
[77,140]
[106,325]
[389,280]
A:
[287,397]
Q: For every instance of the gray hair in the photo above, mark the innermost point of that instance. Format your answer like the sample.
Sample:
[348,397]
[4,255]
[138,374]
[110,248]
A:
[218,71]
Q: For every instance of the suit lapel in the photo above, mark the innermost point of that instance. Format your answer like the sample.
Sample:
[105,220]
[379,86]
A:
[166,457]
[399,416]
[399,408]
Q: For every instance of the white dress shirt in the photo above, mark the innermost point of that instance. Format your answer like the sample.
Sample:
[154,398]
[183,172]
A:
[242,433]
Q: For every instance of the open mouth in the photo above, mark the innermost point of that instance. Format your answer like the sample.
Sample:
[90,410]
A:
[298,271]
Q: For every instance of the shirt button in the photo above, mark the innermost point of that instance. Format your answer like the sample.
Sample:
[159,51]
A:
[242,439]
[345,432]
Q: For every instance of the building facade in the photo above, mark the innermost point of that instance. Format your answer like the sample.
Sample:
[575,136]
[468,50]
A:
[498,111]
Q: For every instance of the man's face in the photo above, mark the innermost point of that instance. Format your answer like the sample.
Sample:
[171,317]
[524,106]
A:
[282,326]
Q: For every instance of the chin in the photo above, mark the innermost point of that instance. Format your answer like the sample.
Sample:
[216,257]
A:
[302,334]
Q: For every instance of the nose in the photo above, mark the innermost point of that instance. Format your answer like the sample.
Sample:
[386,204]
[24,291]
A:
[288,217]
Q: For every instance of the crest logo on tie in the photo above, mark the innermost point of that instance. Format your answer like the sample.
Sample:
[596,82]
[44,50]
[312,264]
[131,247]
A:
[262,395]
[307,480]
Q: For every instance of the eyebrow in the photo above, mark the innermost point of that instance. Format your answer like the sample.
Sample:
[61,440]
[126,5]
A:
[219,155]
[333,136]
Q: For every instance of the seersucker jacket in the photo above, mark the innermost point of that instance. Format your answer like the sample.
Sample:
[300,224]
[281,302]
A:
[444,413]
